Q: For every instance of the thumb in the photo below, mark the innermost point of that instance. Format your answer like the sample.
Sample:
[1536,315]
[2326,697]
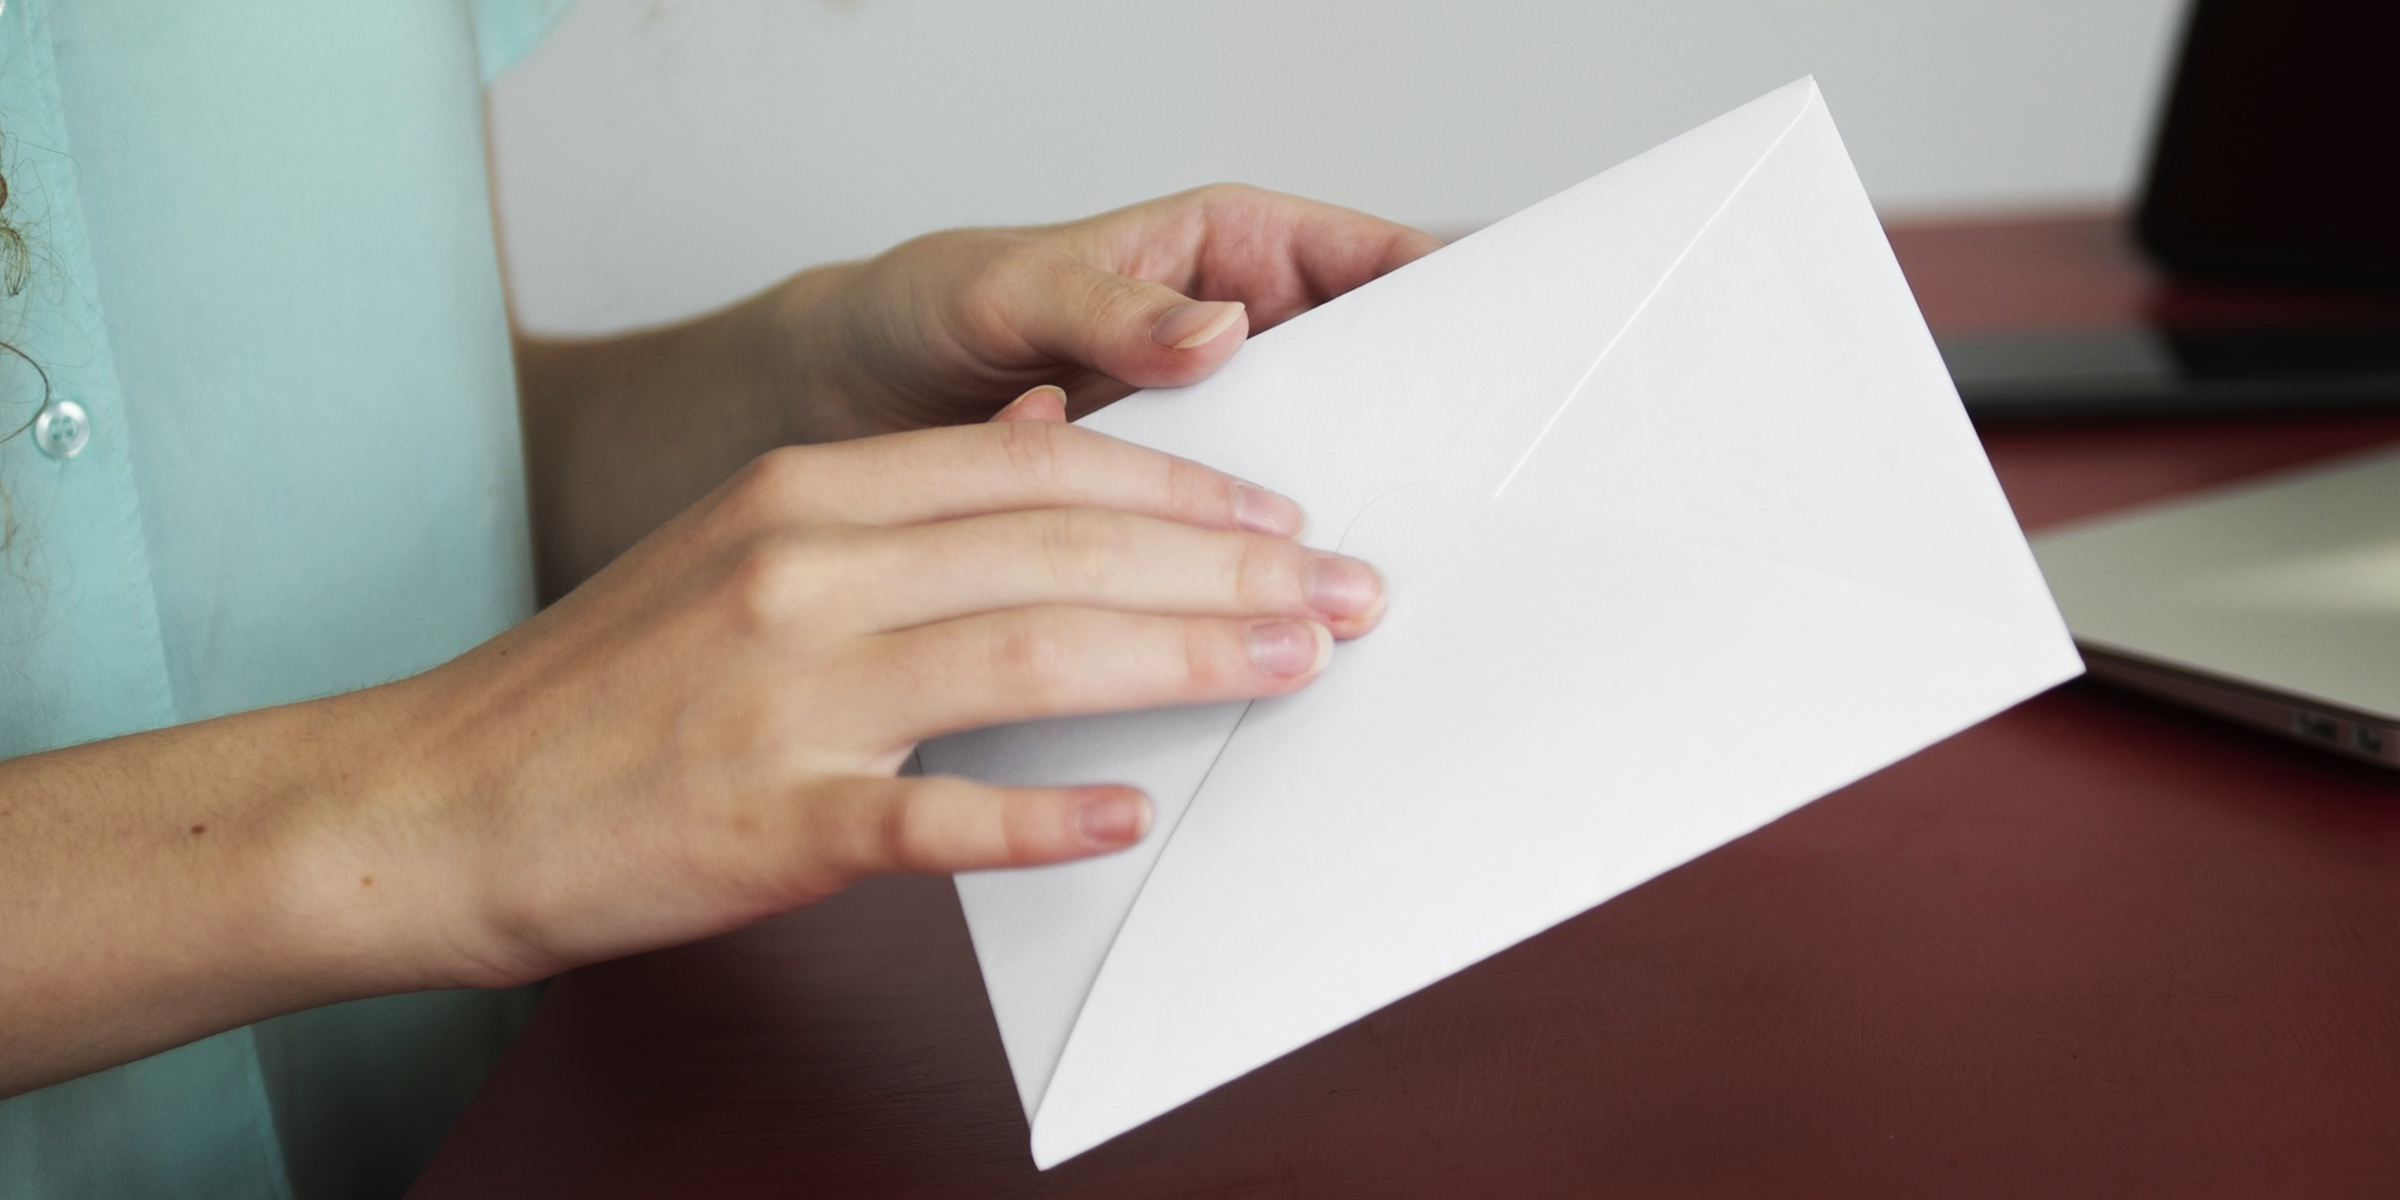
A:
[864,826]
[1045,403]
[1132,330]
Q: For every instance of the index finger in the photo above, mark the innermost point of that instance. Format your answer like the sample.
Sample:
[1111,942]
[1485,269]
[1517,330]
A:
[1010,466]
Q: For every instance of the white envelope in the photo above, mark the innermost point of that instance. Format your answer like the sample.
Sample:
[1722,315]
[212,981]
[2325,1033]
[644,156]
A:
[1684,527]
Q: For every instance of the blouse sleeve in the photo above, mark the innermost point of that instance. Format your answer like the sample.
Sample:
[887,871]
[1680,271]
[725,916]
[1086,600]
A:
[506,29]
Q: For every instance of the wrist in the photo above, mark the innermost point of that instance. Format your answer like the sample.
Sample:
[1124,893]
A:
[383,882]
[815,346]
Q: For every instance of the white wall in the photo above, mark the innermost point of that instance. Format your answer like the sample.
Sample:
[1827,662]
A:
[658,157]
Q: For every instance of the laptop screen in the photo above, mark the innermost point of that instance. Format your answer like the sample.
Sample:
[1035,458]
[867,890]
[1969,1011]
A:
[2279,155]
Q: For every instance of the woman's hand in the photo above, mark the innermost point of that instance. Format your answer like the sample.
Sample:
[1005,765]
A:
[623,433]
[704,734]
[944,328]
[707,732]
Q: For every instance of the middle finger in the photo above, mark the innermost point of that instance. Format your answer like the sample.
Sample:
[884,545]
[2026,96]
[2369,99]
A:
[1101,558]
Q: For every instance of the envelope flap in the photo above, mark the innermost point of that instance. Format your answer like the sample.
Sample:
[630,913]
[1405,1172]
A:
[1773,398]
[1449,368]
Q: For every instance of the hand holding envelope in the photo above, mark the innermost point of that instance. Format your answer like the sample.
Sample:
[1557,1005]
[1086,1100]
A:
[1683,527]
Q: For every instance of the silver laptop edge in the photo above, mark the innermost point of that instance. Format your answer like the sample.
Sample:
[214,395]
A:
[2275,603]
[2356,734]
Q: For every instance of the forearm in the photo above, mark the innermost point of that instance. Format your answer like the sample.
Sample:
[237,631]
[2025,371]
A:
[624,432]
[161,887]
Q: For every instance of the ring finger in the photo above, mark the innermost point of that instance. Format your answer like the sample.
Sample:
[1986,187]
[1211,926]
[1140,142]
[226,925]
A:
[1028,663]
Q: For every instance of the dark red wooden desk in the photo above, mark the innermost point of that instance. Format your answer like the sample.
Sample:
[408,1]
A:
[2091,947]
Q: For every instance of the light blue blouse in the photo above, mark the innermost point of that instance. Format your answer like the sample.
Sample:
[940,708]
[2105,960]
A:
[262,263]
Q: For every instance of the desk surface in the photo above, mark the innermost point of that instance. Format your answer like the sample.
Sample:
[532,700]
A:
[2093,946]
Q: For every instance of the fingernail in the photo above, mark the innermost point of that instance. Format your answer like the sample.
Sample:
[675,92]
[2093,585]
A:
[1115,817]
[1342,587]
[1261,511]
[1195,323]
[1289,649]
[1014,406]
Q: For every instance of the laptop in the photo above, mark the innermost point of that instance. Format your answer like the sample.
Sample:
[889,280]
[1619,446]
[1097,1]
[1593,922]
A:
[2275,603]
[2270,196]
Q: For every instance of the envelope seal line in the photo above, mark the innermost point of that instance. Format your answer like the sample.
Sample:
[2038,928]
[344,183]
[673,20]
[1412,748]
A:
[1656,287]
